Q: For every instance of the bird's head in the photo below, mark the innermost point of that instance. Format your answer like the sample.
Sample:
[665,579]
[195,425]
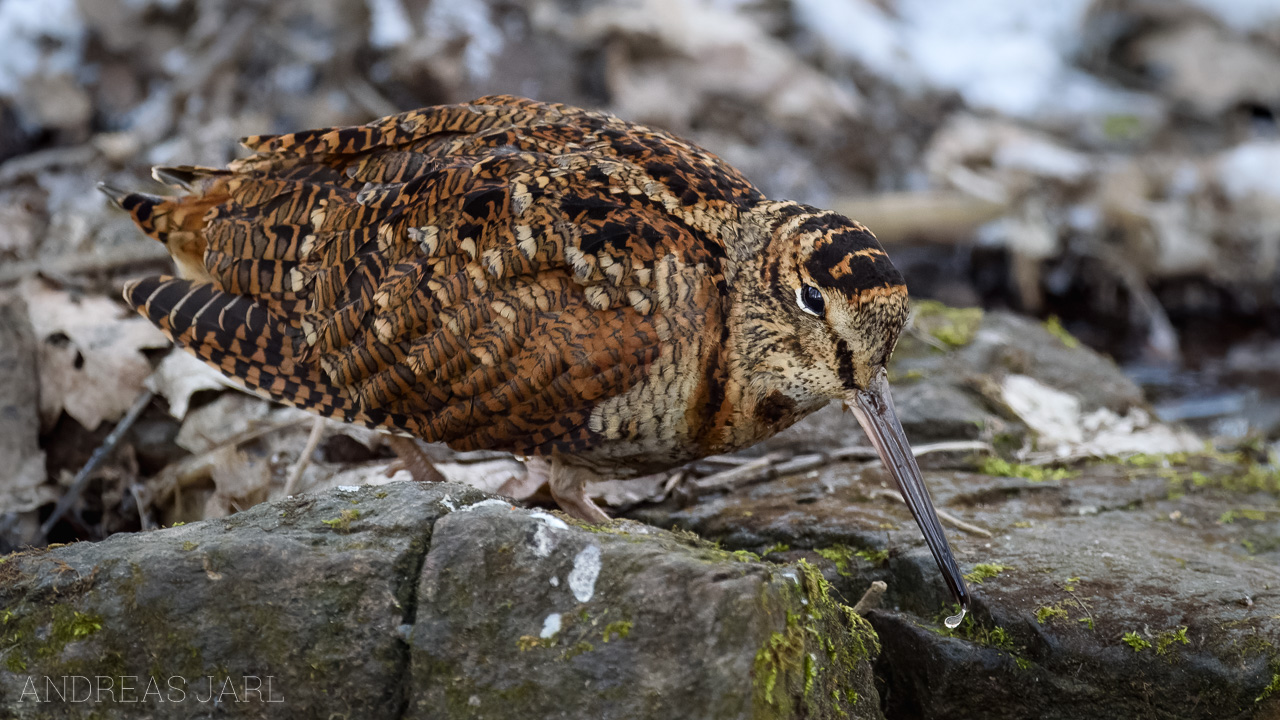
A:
[844,300]
[845,304]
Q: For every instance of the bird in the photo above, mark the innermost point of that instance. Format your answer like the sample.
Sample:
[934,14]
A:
[536,278]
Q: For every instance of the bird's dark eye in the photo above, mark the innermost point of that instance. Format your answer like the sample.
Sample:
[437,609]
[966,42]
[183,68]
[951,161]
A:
[811,300]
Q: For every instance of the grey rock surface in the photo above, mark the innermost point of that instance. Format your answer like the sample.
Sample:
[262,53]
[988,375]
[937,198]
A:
[305,594]
[1123,592]
[622,622]
[407,600]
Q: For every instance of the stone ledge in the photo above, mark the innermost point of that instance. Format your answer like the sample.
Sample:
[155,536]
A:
[425,602]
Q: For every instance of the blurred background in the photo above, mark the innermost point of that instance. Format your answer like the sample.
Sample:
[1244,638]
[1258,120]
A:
[1111,163]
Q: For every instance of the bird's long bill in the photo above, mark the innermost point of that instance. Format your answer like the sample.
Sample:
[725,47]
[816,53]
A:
[874,409]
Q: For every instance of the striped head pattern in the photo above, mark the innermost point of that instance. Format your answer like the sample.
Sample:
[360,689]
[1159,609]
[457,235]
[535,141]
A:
[843,299]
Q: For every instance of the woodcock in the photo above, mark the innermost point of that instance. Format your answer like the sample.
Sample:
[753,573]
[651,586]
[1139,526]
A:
[535,278]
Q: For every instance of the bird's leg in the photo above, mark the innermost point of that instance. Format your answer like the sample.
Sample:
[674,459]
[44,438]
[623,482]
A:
[569,488]
[412,458]
[537,470]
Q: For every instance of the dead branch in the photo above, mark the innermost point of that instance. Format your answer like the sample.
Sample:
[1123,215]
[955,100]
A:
[97,458]
[944,516]
[776,465]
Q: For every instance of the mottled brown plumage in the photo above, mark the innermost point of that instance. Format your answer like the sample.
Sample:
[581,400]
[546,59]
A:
[522,276]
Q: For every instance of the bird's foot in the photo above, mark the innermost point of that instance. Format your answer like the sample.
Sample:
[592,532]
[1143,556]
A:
[411,457]
[528,484]
[569,488]
[584,509]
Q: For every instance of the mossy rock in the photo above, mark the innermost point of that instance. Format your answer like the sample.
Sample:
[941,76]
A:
[1095,587]
[273,604]
[518,617]
[949,326]
[430,601]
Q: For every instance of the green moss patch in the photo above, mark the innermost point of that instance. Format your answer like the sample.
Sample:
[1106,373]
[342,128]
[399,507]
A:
[1253,514]
[617,630]
[999,467]
[843,557]
[984,571]
[1054,327]
[1274,685]
[1135,641]
[1049,613]
[37,635]
[822,653]
[1166,640]
[1239,472]
[991,636]
[342,523]
[953,327]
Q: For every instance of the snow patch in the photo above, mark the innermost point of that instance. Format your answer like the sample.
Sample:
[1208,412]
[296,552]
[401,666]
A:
[861,31]
[1053,414]
[38,37]
[1249,169]
[388,24]
[1060,423]
[1039,157]
[446,21]
[144,4]
[1010,56]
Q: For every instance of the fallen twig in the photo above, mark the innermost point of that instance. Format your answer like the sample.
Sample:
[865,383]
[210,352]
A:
[757,470]
[871,598]
[927,339]
[939,216]
[304,459]
[86,263]
[776,465]
[101,454]
[733,460]
[944,516]
[219,53]
[952,446]
[669,486]
[41,160]
[368,97]
[136,490]
[198,467]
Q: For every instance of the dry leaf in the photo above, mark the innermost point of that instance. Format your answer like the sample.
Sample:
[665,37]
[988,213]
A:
[18,228]
[1063,428]
[181,375]
[91,364]
[241,478]
[227,417]
[367,437]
